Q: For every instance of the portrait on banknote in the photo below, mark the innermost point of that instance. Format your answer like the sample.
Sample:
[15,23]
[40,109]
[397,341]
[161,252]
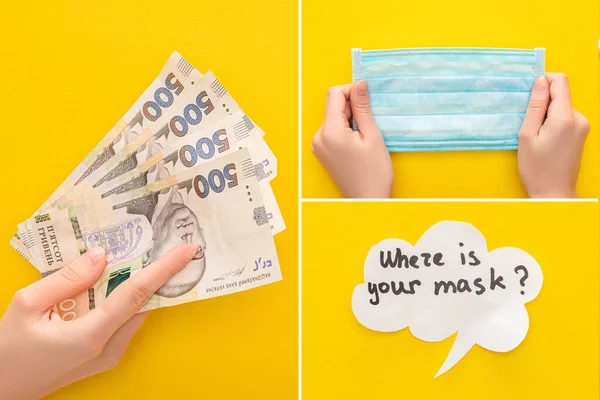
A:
[175,223]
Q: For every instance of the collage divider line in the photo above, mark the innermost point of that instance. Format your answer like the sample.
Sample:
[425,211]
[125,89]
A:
[299,212]
[448,200]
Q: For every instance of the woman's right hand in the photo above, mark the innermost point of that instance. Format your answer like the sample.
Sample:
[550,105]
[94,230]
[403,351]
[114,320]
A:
[39,352]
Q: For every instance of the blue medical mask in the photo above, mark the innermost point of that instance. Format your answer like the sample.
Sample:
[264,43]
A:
[449,99]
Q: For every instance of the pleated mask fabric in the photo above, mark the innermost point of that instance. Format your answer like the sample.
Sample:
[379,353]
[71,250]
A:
[440,99]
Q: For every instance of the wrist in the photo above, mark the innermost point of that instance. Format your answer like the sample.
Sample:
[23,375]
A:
[374,193]
[554,194]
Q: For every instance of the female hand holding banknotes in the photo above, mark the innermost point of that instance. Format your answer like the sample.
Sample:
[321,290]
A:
[39,352]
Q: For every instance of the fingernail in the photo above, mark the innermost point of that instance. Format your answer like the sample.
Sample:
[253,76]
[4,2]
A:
[362,88]
[191,250]
[95,254]
[540,84]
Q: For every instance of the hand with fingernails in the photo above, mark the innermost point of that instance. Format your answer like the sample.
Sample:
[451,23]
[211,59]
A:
[551,140]
[357,161]
[39,352]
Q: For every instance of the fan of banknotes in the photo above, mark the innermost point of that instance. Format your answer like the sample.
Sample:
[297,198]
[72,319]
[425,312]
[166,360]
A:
[184,164]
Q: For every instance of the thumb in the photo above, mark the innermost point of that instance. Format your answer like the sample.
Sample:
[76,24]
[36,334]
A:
[130,297]
[536,109]
[67,281]
[361,109]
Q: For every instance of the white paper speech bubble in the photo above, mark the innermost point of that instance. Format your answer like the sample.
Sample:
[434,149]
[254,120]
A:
[449,282]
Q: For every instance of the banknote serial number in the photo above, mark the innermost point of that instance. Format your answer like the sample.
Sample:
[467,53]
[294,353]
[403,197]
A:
[260,263]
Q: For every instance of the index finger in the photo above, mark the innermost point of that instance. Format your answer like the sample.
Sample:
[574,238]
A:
[560,93]
[337,109]
[128,298]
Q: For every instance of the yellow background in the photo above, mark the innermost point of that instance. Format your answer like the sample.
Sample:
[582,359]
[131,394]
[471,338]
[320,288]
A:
[567,29]
[344,360]
[69,71]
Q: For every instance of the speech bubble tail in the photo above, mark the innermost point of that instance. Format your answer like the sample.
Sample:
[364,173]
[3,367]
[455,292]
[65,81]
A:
[460,347]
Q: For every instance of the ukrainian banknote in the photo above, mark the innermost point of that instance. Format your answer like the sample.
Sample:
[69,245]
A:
[223,137]
[173,82]
[20,247]
[215,205]
[206,103]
